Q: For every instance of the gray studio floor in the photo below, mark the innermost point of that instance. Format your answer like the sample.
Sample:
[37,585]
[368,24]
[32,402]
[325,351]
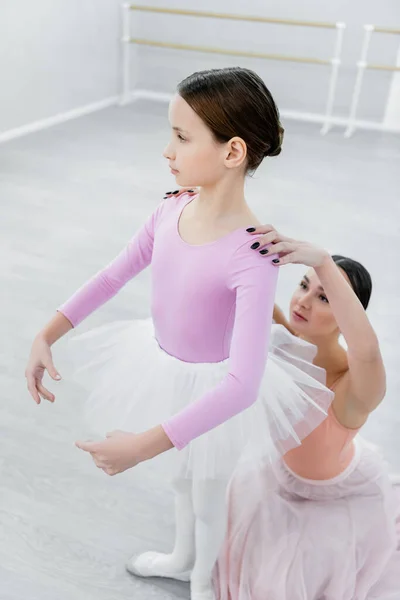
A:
[70,197]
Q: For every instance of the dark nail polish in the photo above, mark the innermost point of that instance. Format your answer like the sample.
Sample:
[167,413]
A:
[175,192]
[251,229]
[255,245]
[168,193]
[165,197]
[264,251]
[276,260]
[190,191]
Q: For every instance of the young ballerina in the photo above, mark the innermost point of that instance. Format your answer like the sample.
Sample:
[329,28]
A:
[321,523]
[193,380]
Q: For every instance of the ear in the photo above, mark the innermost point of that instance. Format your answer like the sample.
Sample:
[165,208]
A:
[236,152]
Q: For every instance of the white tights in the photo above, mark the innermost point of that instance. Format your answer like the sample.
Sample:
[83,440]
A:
[200,514]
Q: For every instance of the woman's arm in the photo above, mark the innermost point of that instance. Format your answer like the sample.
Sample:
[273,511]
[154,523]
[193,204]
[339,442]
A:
[366,385]
[367,380]
[280,319]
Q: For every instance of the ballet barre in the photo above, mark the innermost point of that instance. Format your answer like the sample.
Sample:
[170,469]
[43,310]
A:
[232,17]
[210,50]
[333,62]
[387,30]
[362,66]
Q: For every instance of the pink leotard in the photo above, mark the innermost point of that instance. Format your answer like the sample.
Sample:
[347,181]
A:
[209,302]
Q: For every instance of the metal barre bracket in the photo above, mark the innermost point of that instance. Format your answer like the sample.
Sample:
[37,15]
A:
[362,66]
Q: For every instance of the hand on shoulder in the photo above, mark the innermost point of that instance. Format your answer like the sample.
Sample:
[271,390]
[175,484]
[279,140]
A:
[178,193]
[288,249]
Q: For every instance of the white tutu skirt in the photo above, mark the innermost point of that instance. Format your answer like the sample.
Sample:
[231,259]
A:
[134,385]
[291,538]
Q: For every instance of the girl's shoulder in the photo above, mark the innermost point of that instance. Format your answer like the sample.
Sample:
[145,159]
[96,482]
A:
[245,252]
[170,205]
[172,201]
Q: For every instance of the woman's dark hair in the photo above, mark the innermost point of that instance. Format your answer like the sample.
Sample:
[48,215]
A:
[359,277]
[236,102]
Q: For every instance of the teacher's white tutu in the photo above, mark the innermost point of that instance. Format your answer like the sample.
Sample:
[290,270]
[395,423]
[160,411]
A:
[134,385]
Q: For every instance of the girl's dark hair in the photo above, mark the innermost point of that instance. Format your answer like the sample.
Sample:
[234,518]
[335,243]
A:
[236,102]
[359,277]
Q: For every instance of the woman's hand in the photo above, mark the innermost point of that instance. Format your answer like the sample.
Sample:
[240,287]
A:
[40,360]
[177,193]
[122,450]
[288,249]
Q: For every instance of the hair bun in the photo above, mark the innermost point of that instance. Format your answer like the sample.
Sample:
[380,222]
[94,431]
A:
[277,148]
[275,152]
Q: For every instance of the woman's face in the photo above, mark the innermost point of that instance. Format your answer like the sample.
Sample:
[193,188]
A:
[311,315]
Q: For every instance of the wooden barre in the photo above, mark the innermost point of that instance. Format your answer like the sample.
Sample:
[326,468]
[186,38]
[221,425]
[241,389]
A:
[382,67]
[299,59]
[387,30]
[250,18]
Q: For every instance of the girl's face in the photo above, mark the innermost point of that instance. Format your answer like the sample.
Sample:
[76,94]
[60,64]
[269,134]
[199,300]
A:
[194,156]
[310,313]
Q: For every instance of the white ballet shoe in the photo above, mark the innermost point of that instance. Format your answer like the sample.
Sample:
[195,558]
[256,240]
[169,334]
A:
[156,564]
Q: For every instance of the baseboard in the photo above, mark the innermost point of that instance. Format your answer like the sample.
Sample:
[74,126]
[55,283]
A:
[286,114]
[57,119]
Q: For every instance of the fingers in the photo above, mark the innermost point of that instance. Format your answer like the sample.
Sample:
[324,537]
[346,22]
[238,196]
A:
[114,433]
[269,235]
[52,371]
[290,258]
[31,383]
[280,248]
[284,253]
[44,392]
[34,383]
[270,238]
[110,471]
[177,193]
[260,230]
[98,458]
[100,464]
[87,446]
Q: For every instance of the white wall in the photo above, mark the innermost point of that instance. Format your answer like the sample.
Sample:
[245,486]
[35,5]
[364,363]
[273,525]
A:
[59,55]
[296,86]
[55,56]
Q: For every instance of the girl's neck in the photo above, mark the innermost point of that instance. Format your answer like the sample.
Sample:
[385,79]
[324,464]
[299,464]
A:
[224,198]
